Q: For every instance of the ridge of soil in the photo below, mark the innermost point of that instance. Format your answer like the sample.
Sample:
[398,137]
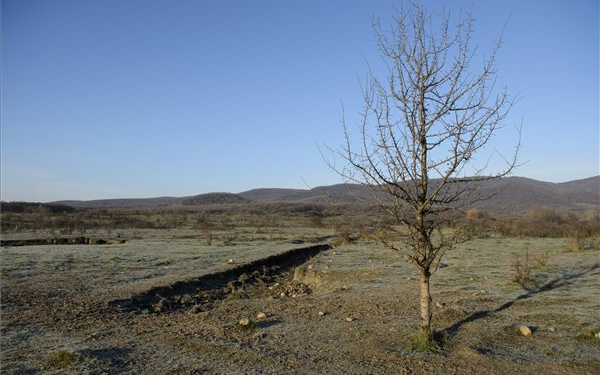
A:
[203,291]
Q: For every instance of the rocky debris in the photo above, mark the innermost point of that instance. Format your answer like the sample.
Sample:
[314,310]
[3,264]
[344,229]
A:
[261,315]
[309,276]
[196,309]
[243,278]
[292,289]
[160,306]
[349,319]
[230,261]
[322,313]
[524,330]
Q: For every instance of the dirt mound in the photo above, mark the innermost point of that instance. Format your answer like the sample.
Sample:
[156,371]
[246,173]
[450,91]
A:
[203,291]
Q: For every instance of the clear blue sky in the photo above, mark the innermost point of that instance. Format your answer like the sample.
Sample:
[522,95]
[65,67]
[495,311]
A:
[142,98]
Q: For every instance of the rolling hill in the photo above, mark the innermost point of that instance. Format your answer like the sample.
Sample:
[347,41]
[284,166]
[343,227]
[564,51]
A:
[512,195]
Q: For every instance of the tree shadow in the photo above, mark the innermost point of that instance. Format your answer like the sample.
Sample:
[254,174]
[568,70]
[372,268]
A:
[531,290]
[113,357]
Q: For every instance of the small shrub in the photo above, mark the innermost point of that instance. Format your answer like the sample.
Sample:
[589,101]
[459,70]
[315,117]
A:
[522,270]
[578,239]
[425,343]
[342,235]
[540,260]
[473,214]
[61,359]
[208,236]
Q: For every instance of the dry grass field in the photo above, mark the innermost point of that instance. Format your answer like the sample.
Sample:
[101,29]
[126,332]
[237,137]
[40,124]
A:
[350,309]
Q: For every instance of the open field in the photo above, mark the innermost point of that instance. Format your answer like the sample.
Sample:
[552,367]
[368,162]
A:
[59,314]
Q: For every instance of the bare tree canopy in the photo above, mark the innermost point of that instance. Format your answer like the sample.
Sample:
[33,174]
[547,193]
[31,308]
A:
[420,129]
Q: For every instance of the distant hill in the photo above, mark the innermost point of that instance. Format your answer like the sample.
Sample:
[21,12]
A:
[517,195]
[122,203]
[20,207]
[512,195]
[275,195]
[213,198]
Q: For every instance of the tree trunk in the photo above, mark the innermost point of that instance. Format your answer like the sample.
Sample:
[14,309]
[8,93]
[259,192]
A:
[425,303]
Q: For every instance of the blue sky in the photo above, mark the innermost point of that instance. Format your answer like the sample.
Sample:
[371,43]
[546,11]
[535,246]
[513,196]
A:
[142,98]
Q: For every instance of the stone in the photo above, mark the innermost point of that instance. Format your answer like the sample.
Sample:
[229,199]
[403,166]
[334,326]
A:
[322,313]
[261,315]
[310,266]
[349,319]
[597,335]
[282,295]
[525,331]
[551,329]
[230,261]
[439,305]
[244,322]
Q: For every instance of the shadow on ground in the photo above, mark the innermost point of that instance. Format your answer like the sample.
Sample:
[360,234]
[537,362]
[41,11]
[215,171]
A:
[566,278]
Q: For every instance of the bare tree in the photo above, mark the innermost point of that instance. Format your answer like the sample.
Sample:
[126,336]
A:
[420,131]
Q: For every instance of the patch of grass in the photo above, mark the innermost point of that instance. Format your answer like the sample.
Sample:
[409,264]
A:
[61,359]
[425,342]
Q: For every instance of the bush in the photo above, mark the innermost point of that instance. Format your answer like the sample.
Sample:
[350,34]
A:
[522,271]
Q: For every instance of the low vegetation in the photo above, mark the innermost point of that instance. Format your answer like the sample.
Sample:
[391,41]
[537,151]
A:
[61,359]
[57,296]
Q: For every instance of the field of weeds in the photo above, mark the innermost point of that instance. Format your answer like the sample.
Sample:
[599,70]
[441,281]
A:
[351,309]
